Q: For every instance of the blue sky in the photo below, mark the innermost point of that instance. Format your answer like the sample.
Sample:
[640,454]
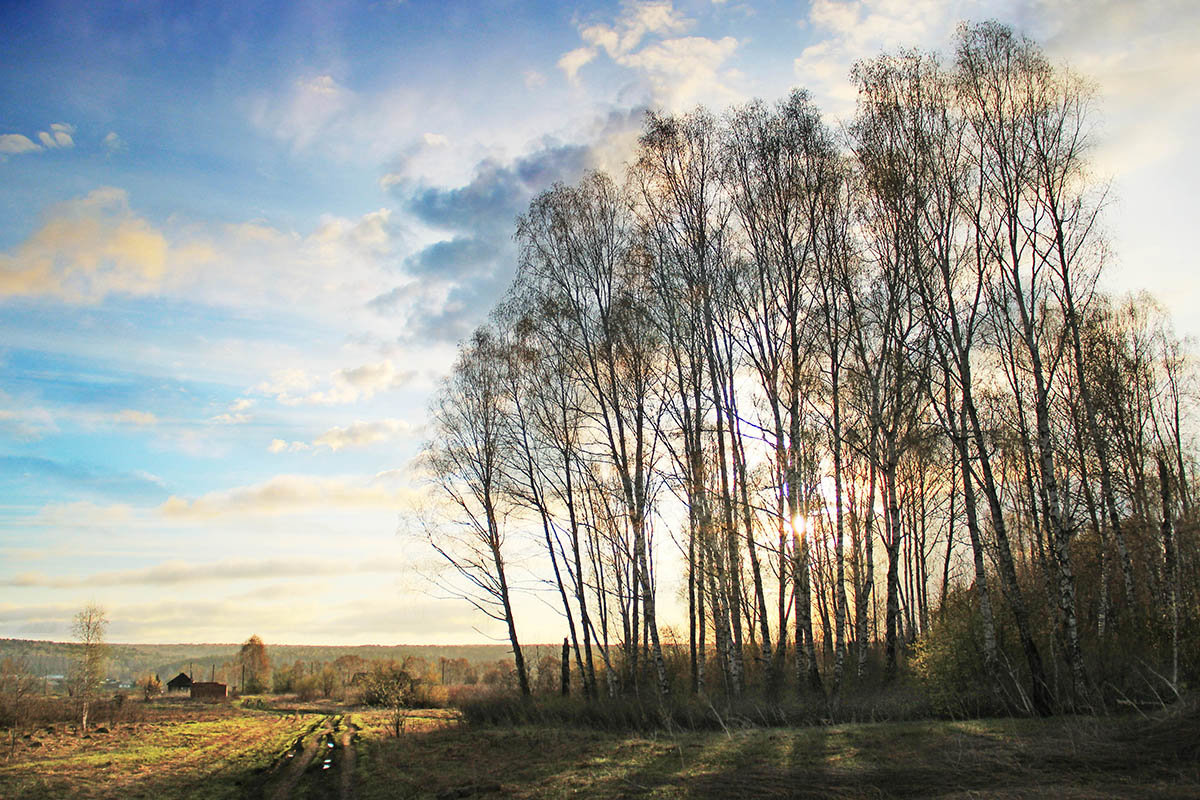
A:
[238,243]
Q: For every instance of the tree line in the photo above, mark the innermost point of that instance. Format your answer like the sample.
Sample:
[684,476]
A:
[863,384]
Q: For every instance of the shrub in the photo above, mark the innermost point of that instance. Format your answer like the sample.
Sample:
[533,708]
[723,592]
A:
[390,686]
[429,695]
[948,660]
[902,701]
[151,687]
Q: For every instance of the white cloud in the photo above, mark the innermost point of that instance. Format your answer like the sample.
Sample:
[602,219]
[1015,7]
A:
[316,114]
[390,179]
[849,31]
[59,135]
[282,446]
[90,247]
[1133,57]
[62,135]
[35,422]
[27,423]
[685,70]
[637,21]
[14,144]
[304,111]
[69,515]
[295,386]
[362,434]
[172,573]
[678,71]
[285,383]
[134,417]
[112,143]
[331,271]
[571,62]
[293,494]
[236,414]
[97,245]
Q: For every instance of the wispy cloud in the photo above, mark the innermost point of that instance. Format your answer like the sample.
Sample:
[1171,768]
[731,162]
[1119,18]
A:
[678,71]
[89,248]
[236,413]
[32,422]
[26,424]
[181,572]
[283,446]
[132,416]
[112,143]
[362,434]
[316,113]
[295,386]
[70,515]
[35,475]
[97,246]
[845,32]
[304,110]
[293,494]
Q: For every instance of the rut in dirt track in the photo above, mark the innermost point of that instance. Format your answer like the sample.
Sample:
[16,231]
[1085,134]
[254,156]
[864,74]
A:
[346,768]
[313,740]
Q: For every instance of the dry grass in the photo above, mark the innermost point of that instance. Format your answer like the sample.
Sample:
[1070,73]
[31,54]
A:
[1065,757]
[179,750]
[227,752]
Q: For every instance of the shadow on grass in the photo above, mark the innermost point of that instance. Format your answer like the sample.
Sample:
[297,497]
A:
[994,758]
[1005,758]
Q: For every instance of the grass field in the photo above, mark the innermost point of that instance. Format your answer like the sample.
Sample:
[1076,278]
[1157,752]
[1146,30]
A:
[202,751]
[226,752]
[1069,758]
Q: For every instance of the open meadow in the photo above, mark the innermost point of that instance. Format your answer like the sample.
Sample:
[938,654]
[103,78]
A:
[323,750]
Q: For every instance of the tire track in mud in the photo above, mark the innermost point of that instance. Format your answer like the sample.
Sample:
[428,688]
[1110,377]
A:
[299,761]
[346,768]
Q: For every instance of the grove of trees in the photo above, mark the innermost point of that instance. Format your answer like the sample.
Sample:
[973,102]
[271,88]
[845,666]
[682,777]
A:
[862,384]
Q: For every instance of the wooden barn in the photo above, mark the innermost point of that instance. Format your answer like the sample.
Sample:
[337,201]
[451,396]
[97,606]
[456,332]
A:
[209,690]
[180,683]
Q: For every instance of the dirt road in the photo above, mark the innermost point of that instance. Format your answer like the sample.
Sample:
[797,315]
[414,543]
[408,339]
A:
[300,756]
[346,768]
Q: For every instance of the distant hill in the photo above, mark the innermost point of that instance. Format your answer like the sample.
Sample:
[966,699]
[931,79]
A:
[132,661]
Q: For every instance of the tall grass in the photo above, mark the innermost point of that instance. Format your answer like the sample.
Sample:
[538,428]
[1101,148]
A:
[696,713]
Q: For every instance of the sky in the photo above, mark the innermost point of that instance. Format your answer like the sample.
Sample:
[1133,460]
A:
[239,243]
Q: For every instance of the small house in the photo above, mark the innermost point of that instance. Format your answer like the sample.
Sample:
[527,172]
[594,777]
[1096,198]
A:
[209,690]
[180,683]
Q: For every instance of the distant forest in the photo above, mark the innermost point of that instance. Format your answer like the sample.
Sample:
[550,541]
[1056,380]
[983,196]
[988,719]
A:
[132,662]
[862,382]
